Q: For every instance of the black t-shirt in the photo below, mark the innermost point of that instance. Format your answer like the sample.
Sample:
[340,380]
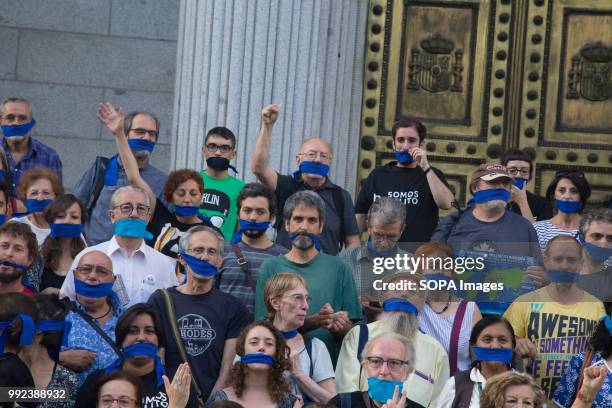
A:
[358,402]
[205,323]
[50,279]
[165,223]
[332,238]
[15,373]
[539,206]
[410,186]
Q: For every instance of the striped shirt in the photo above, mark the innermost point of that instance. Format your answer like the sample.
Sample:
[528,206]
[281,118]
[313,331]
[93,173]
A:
[231,278]
[547,231]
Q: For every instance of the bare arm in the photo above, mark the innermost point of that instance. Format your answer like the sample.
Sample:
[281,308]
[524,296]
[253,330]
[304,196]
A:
[113,121]
[519,196]
[352,241]
[319,392]
[441,194]
[260,162]
[361,221]
[229,352]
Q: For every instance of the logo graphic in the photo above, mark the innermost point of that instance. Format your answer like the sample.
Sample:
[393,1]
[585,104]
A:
[196,332]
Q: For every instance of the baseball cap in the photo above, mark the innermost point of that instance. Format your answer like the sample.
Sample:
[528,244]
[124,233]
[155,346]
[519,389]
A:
[490,171]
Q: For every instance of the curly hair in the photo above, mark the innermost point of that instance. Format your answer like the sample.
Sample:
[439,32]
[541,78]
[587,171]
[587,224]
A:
[495,392]
[276,383]
[30,176]
[178,177]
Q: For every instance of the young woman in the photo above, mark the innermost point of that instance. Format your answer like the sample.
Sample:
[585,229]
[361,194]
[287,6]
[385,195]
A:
[38,187]
[66,216]
[492,344]
[443,311]
[257,379]
[568,192]
[312,372]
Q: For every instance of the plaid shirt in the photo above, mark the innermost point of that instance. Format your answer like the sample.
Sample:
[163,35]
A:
[38,154]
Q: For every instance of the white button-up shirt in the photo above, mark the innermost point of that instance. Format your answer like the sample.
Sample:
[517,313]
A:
[138,275]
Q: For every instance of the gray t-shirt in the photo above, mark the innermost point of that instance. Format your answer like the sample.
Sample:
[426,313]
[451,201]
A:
[322,365]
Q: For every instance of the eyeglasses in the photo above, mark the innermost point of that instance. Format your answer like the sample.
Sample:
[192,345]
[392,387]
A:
[199,251]
[514,171]
[576,173]
[124,401]
[86,270]
[12,118]
[144,132]
[384,237]
[128,208]
[312,154]
[393,364]
[297,298]
[213,147]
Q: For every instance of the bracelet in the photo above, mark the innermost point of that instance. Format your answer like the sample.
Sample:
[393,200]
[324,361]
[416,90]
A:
[582,398]
[425,171]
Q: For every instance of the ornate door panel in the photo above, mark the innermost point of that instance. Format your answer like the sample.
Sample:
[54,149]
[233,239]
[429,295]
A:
[487,75]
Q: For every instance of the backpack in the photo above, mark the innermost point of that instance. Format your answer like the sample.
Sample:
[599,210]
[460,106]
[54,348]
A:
[98,183]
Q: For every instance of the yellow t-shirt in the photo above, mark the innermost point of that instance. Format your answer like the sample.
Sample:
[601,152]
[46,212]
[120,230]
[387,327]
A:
[558,332]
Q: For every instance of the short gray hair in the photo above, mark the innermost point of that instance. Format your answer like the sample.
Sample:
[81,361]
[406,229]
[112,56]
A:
[129,187]
[15,100]
[307,199]
[186,237]
[409,348]
[595,215]
[129,118]
[387,210]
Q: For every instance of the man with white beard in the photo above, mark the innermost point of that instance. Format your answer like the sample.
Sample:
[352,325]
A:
[400,308]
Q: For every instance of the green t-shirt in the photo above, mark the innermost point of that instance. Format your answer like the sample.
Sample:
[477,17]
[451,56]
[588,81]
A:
[219,202]
[329,280]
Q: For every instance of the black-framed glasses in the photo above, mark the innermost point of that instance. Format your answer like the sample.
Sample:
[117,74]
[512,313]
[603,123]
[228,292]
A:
[393,364]
[143,132]
[514,171]
[213,147]
[128,208]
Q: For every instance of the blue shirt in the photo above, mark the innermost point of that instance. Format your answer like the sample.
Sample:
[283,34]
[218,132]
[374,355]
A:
[99,227]
[38,154]
[83,336]
[564,394]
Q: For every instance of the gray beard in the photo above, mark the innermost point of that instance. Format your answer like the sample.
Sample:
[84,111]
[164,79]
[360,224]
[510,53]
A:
[303,242]
[398,322]
[494,207]
[142,155]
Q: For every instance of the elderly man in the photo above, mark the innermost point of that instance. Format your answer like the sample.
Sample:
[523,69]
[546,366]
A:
[22,151]
[388,360]
[314,159]
[209,320]
[595,235]
[91,343]
[139,268]
[401,298]
[330,282]
[385,223]
[18,250]
[554,323]
[105,176]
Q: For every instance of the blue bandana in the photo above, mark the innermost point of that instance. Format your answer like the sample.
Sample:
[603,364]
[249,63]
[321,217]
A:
[484,196]
[404,157]
[313,237]
[249,225]
[568,207]
[66,230]
[186,210]
[597,253]
[140,350]
[18,214]
[382,390]
[28,331]
[502,355]
[58,326]
[2,218]
[14,265]
[378,254]
[257,358]
[310,167]
[132,227]
[2,174]
[141,144]
[93,291]
[562,276]
[608,323]
[37,206]
[112,167]
[520,183]
[288,335]
[18,130]
[399,305]
[198,266]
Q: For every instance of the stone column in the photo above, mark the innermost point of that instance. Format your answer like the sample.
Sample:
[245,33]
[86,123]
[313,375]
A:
[236,56]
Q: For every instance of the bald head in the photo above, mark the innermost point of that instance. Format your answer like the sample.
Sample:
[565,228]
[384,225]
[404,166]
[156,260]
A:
[98,261]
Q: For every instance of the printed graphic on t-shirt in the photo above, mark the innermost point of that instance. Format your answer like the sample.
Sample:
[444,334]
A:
[557,339]
[406,197]
[196,332]
[155,401]
[215,201]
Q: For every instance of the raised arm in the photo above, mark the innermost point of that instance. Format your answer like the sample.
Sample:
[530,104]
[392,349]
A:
[113,121]
[260,163]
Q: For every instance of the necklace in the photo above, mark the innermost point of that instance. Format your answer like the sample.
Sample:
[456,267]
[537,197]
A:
[105,314]
[444,309]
